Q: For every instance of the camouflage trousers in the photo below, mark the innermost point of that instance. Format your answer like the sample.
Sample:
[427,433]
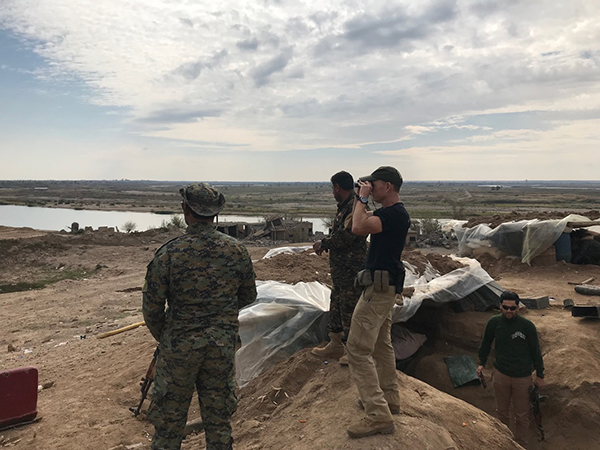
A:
[342,302]
[211,371]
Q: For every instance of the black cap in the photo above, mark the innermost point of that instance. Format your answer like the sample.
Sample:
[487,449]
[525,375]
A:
[385,173]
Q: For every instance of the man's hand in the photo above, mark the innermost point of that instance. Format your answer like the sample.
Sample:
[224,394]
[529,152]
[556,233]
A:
[364,188]
[317,248]
[479,371]
[539,382]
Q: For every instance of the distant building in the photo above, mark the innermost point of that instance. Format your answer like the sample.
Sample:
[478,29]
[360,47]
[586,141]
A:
[276,229]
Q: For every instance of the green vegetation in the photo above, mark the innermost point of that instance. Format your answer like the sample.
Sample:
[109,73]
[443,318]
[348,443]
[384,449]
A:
[75,274]
[430,226]
[177,222]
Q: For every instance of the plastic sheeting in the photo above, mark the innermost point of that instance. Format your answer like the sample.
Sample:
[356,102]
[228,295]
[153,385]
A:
[525,239]
[288,250]
[441,289]
[284,319]
[287,318]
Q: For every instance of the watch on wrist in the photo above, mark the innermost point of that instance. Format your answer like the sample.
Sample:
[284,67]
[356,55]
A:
[362,199]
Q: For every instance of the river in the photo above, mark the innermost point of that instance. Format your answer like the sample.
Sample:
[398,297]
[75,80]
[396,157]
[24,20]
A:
[59,219]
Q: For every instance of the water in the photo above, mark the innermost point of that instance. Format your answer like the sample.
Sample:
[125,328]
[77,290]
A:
[59,219]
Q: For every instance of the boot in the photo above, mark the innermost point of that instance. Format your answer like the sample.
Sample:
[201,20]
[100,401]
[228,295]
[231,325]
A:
[333,349]
[367,427]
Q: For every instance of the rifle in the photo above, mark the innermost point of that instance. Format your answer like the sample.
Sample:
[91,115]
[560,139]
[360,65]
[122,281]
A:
[146,383]
[535,398]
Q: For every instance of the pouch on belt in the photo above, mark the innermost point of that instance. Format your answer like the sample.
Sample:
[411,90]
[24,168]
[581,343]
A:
[381,280]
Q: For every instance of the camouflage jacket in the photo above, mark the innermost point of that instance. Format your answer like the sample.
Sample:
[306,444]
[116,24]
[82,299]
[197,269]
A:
[203,277]
[347,251]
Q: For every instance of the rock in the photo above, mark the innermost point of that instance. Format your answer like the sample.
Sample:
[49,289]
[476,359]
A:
[133,446]
[11,348]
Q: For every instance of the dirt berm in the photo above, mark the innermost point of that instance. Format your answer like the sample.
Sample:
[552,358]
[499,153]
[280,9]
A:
[302,403]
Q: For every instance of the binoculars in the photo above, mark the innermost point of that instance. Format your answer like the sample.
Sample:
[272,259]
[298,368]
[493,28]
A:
[356,183]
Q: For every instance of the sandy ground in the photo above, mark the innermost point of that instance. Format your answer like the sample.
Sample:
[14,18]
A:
[302,403]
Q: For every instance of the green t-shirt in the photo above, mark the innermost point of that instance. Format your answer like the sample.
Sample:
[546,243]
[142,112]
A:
[517,346]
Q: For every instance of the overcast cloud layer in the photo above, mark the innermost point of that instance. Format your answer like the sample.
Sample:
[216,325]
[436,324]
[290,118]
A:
[275,90]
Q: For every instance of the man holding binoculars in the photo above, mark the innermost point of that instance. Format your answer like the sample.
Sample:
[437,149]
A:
[370,352]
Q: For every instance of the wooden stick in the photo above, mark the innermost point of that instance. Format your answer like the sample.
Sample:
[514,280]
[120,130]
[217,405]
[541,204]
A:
[589,280]
[120,330]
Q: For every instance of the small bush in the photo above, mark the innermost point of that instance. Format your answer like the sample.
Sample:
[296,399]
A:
[129,226]
[430,226]
[177,221]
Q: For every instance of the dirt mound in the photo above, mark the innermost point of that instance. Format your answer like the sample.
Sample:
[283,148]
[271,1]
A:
[514,216]
[37,259]
[443,264]
[498,267]
[307,266]
[293,268]
[303,403]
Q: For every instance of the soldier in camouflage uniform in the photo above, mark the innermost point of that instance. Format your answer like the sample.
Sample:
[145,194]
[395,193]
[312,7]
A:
[203,277]
[347,253]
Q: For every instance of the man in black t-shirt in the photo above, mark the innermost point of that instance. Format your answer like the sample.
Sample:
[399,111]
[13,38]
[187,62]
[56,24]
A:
[370,352]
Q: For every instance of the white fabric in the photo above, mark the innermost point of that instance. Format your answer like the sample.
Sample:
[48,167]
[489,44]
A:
[288,250]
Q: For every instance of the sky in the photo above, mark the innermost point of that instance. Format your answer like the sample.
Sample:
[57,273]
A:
[298,90]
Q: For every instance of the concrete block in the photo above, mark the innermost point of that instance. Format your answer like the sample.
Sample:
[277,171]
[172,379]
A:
[537,302]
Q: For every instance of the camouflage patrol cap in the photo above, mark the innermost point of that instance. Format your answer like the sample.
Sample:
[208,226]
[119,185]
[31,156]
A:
[203,199]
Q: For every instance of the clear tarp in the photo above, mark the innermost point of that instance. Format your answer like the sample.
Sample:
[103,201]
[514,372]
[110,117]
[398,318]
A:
[440,288]
[525,239]
[284,319]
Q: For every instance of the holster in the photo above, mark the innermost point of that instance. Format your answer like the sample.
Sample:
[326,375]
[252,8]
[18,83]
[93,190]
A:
[400,279]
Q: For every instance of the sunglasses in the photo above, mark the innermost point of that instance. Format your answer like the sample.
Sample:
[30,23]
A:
[512,308]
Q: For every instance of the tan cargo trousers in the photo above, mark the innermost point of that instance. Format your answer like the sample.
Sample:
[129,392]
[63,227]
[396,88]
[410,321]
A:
[516,390]
[371,355]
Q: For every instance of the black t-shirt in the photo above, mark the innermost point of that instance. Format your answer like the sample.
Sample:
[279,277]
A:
[386,247]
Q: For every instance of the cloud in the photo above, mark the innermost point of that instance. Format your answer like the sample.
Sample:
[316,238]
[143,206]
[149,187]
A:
[191,70]
[178,116]
[247,44]
[262,73]
[390,27]
[305,75]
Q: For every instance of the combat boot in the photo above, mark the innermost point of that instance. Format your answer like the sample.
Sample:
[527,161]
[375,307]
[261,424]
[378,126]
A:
[333,349]
[367,427]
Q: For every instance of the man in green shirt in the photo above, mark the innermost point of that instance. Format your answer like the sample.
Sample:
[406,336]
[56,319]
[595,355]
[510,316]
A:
[517,354]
